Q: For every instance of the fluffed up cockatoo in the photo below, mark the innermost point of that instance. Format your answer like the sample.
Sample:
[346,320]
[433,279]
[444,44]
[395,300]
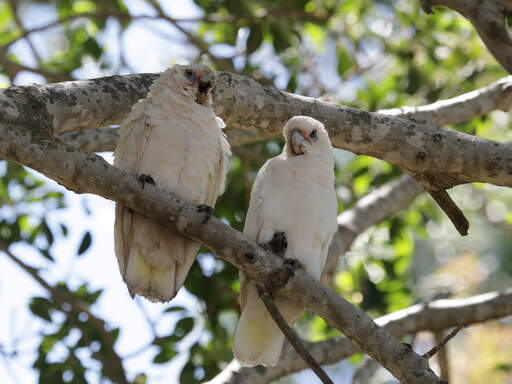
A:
[293,193]
[171,138]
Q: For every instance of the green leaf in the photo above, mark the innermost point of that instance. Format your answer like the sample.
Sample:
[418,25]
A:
[184,326]
[255,38]
[164,356]
[46,254]
[175,309]
[85,244]
[344,61]
[41,307]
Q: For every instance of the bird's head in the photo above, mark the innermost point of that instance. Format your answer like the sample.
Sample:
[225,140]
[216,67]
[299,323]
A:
[194,81]
[305,135]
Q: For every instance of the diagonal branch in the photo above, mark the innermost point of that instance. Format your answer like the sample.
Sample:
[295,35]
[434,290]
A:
[435,316]
[88,173]
[438,347]
[293,339]
[368,211]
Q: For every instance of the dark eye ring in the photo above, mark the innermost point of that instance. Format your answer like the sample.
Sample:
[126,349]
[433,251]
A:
[190,75]
[313,135]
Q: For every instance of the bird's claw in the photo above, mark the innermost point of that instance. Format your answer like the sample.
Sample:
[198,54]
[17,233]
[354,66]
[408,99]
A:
[143,179]
[207,210]
[295,264]
[279,243]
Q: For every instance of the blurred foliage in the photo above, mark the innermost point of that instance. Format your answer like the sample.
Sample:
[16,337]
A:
[366,54]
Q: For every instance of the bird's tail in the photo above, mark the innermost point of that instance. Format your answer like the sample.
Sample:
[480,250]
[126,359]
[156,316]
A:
[154,261]
[258,340]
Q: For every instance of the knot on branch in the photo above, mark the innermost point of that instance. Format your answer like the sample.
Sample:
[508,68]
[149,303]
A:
[278,279]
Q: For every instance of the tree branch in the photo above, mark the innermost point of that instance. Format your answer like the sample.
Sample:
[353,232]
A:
[434,316]
[396,195]
[438,158]
[496,96]
[369,210]
[88,173]
[438,347]
[489,18]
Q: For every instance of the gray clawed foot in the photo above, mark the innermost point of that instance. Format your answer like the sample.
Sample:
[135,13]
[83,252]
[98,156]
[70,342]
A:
[278,244]
[295,264]
[143,179]
[208,212]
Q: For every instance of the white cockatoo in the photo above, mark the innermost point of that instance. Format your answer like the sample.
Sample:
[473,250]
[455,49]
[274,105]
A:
[171,138]
[293,194]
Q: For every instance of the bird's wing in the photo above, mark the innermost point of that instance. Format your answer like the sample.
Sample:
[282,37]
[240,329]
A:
[134,133]
[253,223]
[217,179]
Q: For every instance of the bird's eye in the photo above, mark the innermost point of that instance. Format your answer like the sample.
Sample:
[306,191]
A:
[190,75]
[313,136]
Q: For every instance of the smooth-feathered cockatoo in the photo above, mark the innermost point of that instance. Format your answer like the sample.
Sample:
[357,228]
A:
[171,138]
[293,194]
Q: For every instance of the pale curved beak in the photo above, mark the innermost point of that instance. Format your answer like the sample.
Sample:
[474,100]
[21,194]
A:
[206,82]
[298,143]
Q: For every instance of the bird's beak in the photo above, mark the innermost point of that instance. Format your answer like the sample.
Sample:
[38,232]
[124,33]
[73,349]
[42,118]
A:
[205,83]
[298,143]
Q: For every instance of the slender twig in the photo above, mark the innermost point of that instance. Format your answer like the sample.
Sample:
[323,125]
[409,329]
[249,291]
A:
[442,357]
[448,337]
[293,338]
[451,209]
[14,8]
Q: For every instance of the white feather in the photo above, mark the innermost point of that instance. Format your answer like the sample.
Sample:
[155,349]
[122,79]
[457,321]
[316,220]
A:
[180,144]
[293,194]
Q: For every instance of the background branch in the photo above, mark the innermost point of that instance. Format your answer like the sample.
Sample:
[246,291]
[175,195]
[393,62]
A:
[434,316]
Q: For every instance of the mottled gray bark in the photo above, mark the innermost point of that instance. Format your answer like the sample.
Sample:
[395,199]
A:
[434,316]
[88,173]
[438,158]
[497,96]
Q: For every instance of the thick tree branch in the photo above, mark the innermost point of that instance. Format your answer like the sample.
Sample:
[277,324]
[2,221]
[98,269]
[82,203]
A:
[497,96]
[438,158]
[434,316]
[489,19]
[88,173]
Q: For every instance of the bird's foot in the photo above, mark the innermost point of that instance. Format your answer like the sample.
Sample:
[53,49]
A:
[208,212]
[278,244]
[295,264]
[143,179]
